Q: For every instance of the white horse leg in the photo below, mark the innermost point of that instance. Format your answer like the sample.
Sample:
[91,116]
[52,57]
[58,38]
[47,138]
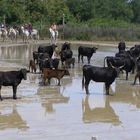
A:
[55,39]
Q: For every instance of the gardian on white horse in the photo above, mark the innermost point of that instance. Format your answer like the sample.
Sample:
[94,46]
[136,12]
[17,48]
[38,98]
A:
[13,33]
[3,34]
[53,36]
[25,34]
[34,35]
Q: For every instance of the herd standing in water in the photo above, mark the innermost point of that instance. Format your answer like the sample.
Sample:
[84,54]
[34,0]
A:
[48,58]
[124,60]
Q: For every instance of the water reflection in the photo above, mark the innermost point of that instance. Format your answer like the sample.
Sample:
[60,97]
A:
[54,112]
[98,109]
[18,54]
[50,96]
[12,119]
[127,93]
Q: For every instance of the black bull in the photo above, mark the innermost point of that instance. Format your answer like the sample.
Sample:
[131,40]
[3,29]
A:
[66,54]
[86,51]
[12,78]
[48,63]
[47,49]
[99,74]
[127,62]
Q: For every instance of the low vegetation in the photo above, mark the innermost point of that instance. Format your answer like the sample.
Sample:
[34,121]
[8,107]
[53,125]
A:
[78,19]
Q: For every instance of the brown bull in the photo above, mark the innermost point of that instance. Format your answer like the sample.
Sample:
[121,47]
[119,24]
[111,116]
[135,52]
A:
[32,66]
[54,73]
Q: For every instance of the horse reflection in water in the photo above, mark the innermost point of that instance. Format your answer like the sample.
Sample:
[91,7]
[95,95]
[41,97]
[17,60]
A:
[51,97]
[98,109]
[12,120]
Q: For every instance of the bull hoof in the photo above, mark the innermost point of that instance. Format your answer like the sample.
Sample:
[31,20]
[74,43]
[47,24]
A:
[14,98]
[133,84]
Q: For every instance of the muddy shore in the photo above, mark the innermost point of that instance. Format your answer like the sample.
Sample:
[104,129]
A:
[96,43]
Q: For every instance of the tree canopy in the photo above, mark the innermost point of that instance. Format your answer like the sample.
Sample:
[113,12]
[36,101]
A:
[48,11]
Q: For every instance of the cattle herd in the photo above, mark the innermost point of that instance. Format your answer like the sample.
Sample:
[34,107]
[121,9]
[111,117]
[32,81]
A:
[124,60]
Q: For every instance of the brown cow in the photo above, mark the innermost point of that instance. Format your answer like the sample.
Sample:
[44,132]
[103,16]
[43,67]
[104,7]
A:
[54,73]
[32,66]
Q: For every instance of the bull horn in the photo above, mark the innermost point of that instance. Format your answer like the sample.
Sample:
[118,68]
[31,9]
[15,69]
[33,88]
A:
[122,66]
[111,65]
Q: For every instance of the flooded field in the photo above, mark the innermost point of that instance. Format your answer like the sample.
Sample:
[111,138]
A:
[65,112]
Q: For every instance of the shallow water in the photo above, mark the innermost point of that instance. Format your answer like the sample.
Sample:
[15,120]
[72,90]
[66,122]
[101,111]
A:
[66,112]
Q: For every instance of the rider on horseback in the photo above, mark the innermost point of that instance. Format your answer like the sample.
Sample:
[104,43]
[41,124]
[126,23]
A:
[53,33]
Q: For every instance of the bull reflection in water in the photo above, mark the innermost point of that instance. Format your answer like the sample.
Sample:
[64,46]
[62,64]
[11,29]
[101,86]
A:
[126,93]
[50,97]
[12,120]
[97,109]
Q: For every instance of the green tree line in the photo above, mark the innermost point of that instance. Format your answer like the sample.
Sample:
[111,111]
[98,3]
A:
[77,14]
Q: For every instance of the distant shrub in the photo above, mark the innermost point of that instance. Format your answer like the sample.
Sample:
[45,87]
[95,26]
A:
[88,32]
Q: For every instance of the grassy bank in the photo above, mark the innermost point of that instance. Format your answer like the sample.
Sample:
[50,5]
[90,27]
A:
[93,32]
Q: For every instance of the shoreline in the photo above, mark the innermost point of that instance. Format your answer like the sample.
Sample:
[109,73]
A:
[94,43]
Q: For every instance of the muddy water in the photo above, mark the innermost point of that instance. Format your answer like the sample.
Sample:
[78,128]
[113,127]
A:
[66,112]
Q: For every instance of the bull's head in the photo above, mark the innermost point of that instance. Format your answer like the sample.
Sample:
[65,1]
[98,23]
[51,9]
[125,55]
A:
[24,73]
[94,49]
[117,69]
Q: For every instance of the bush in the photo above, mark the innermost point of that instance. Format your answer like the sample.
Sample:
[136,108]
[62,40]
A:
[104,32]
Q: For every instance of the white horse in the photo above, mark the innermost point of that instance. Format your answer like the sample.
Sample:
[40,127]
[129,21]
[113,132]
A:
[3,34]
[13,33]
[53,36]
[25,34]
[34,35]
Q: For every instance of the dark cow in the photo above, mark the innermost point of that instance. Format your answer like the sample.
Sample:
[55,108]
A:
[48,63]
[99,74]
[123,54]
[65,54]
[121,46]
[115,61]
[12,78]
[51,73]
[86,51]
[37,56]
[127,62]
[135,51]
[47,49]
[65,46]
[32,66]
[137,71]
[69,62]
